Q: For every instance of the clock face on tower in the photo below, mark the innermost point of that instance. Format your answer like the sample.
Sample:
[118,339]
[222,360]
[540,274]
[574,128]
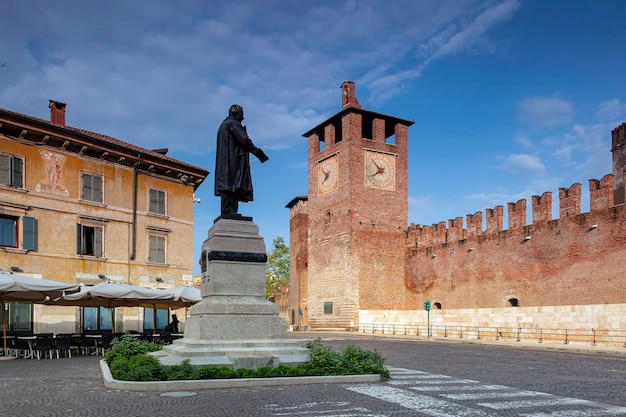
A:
[327,175]
[380,170]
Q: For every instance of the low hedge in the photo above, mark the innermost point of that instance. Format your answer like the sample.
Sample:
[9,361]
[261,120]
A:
[128,360]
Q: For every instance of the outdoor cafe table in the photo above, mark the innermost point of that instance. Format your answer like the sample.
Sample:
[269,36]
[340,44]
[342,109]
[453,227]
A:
[6,351]
[29,340]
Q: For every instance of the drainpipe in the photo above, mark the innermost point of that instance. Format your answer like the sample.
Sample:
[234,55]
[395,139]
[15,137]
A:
[134,226]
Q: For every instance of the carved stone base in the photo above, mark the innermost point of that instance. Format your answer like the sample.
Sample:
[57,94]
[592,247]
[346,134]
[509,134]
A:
[234,324]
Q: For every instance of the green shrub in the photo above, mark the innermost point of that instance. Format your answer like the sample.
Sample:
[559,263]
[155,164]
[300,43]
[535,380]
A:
[128,361]
[322,358]
[357,361]
[352,360]
[128,346]
[145,368]
[183,370]
[119,368]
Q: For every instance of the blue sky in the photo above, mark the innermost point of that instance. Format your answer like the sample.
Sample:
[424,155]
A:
[510,98]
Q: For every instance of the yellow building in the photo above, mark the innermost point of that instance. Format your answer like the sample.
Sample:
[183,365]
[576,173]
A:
[82,207]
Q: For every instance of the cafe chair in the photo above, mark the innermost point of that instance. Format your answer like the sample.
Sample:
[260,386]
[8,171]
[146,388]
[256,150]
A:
[44,344]
[63,343]
[88,345]
[104,343]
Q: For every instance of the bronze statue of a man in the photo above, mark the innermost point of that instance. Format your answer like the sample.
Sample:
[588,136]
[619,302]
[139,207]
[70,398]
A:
[233,182]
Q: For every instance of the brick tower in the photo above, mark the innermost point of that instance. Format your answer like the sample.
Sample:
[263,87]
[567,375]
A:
[356,215]
[618,148]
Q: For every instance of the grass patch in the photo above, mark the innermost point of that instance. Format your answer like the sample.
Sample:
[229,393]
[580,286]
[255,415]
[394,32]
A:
[128,360]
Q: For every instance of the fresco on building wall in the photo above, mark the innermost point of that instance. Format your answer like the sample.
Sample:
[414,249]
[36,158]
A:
[53,165]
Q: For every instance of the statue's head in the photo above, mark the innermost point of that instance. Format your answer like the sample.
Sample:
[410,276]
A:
[236,112]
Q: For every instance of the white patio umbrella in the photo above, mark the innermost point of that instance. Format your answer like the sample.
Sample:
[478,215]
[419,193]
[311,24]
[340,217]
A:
[111,295]
[20,288]
[182,297]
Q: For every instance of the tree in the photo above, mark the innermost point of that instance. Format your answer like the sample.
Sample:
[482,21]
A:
[277,274]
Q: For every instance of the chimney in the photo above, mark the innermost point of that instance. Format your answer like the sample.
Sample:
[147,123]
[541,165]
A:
[348,95]
[57,113]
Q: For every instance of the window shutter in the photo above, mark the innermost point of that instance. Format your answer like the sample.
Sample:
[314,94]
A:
[5,169]
[29,237]
[79,239]
[97,250]
[17,172]
[85,193]
[152,254]
[161,202]
[157,201]
[97,189]
[154,201]
[161,249]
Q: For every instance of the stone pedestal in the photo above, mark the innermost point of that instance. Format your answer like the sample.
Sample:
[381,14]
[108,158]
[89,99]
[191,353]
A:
[234,324]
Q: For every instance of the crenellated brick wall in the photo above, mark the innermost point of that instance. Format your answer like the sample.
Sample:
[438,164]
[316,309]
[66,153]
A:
[574,260]
[352,252]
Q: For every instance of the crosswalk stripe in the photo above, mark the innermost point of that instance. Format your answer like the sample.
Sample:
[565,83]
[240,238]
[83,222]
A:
[442,388]
[459,388]
[507,405]
[422,376]
[580,413]
[488,395]
[422,403]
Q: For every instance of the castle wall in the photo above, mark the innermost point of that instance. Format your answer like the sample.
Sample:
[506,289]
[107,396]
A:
[298,262]
[556,324]
[574,260]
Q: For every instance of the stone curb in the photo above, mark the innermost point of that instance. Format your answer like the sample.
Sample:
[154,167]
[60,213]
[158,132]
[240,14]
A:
[186,385]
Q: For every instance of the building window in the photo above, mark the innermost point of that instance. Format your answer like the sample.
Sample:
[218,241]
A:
[11,168]
[156,251]
[19,317]
[157,201]
[149,316]
[97,318]
[328,307]
[91,188]
[89,240]
[8,231]
[513,302]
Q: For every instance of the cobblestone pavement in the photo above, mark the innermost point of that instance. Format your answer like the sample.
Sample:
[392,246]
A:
[429,378]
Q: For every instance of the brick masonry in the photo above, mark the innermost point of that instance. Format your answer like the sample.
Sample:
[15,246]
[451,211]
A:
[352,248]
[574,260]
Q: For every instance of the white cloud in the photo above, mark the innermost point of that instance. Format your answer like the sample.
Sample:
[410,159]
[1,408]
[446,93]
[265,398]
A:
[422,207]
[545,111]
[525,141]
[611,110]
[453,41]
[491,200]
[524,163]
[167,66]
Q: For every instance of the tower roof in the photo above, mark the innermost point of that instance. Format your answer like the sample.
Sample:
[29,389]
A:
[350,104]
